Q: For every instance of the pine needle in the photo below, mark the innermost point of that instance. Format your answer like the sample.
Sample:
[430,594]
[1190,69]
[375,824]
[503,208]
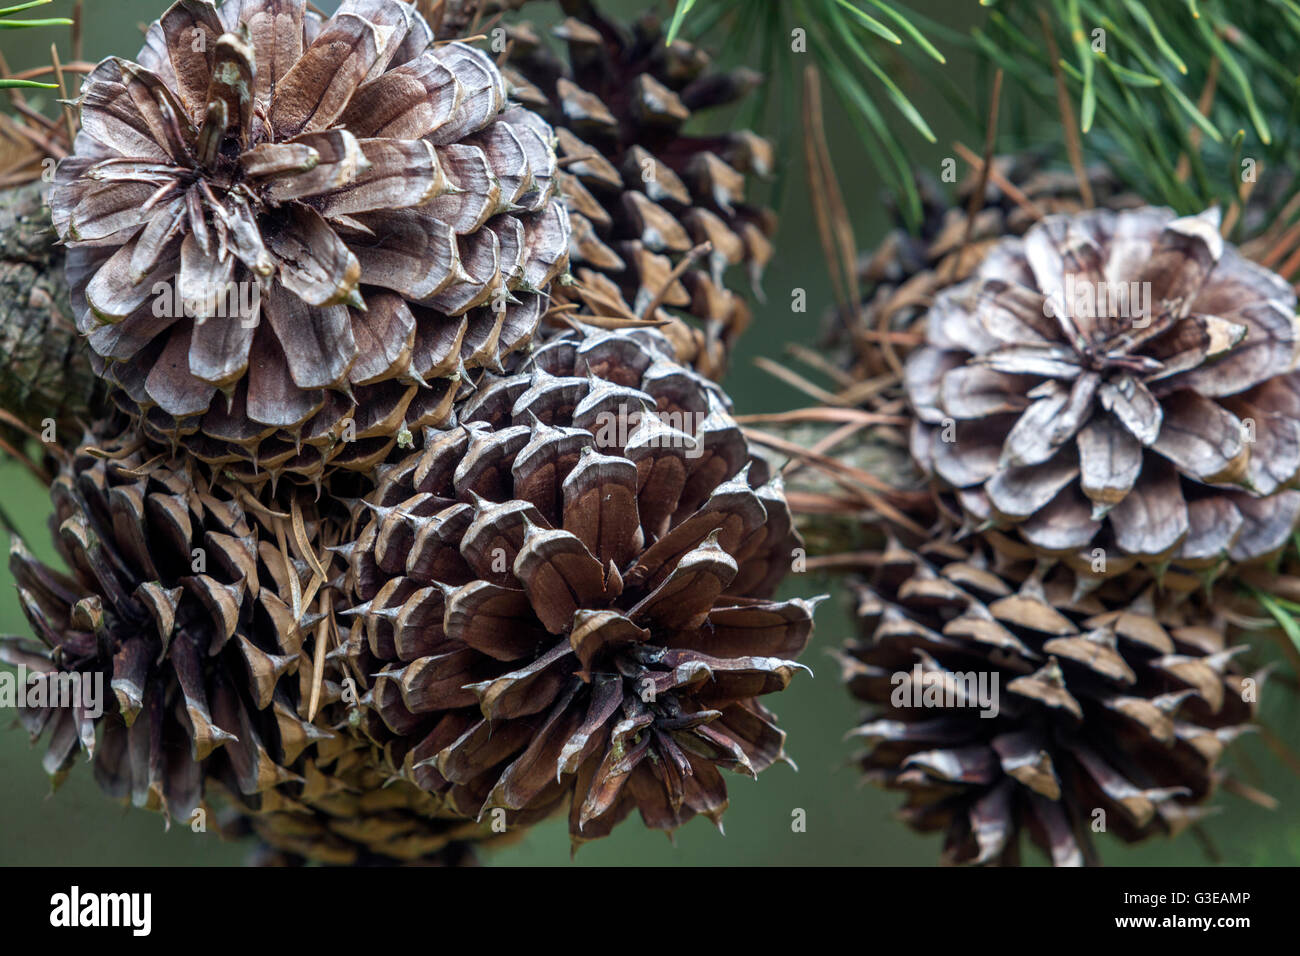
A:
[1072,145]
[816,360]
[1006,186]
[1188,109]
[18,455]
[821,414]
[68,116]
[295,585]
[871,488]
[846,43]
[1203,106]
[798,381]
[613,305]
[615,322]
[1244,790]
[1279,747]
[687,261]
[845,561]
[323,631]
[838,248]
[304,545]
[990,141]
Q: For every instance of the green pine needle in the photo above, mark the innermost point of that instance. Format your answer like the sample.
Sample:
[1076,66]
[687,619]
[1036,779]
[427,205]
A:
[1140,14]
[903,104]
[7,11]
[1138,71]
[871,23]
[1139,86]
[913,34]
[23,24]
[1130,77]
[1283,612]
[10,84]
[679,17]
[1239,77]
[5,83]
[856,51]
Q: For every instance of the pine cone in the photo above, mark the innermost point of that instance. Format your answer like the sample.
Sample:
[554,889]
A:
[1117,381]
[1116,702]
[46,373]
[641,193]
[343,209]
[568,595]
[897,281]
[187,600]
[357,815]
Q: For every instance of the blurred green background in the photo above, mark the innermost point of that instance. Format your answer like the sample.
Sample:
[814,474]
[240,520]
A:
[845,822]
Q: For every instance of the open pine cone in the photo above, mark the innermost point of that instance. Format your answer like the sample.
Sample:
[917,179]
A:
[642,194]
[1120,702]
[1117,384]
[568,594]
[323,220]
[186,618]
[868,340]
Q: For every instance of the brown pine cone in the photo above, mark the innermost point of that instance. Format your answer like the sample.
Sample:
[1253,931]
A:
[1001,703]
[1117,384]
[568,595]
[643,195]
[46,373]
[188,629]
[323,220]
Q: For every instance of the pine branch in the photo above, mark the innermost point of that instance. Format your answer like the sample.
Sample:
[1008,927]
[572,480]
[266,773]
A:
[1191,104]
[856,44]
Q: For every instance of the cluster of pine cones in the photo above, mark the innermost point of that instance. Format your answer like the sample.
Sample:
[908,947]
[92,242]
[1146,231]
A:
[415,513]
